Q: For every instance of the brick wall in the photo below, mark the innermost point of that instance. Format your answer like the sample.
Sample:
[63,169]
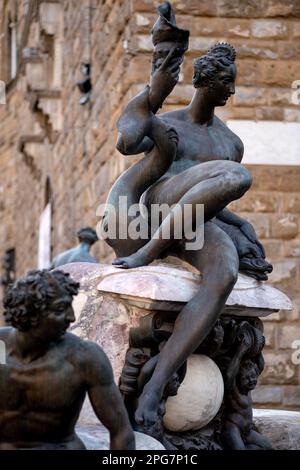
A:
[47,136]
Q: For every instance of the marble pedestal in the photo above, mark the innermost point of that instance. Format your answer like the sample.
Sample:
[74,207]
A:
[129,313]
[112,301]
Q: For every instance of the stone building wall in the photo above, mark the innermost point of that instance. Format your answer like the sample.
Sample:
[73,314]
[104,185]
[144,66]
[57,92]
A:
[52,149]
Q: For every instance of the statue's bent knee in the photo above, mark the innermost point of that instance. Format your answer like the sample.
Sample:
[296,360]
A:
[247,178]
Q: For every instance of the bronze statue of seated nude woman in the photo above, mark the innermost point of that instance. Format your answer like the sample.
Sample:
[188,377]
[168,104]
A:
[191,157]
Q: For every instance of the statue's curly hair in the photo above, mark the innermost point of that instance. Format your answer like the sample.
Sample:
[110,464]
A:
[30,296]
[205,67]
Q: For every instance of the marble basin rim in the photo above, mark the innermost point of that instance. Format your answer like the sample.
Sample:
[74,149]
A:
[167,287]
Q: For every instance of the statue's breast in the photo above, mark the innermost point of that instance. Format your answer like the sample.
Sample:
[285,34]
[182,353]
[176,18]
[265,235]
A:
[200,144]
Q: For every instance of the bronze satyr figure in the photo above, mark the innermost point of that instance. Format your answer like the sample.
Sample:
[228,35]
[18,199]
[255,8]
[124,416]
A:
[49,371]
[191,157]
[87,236]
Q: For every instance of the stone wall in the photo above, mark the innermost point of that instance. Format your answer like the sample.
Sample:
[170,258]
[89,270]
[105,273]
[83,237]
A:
[53,149]
[273,206]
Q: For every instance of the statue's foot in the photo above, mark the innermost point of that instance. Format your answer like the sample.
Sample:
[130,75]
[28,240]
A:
[147,413]
[139,258]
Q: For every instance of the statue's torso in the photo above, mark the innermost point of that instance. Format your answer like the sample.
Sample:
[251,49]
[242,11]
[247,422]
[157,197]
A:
[240,410]
[40,400]
[201,143]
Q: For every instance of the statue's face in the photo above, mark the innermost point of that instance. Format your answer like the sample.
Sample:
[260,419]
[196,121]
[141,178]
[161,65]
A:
[55,321]
[223,86]
[248,379]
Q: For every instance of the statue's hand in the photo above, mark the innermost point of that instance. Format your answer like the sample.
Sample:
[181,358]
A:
[165,77]
[243,244]
[248,230]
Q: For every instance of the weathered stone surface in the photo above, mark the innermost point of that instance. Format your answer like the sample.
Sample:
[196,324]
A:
[96,437]
[279,96]
[287,335]
[199,396]
[281,427]
[287,8]
[282,178]
[269,29]
[257,202]
[286,228]
[281,73]
[283,270]
[36,75]
[270,333]
[267,395]
[291,115]
[291,395]
[274,248]
[296,29]
[216,27]
[269,113]
[275,317]
[288,50]
[292,202]
[294,315]
[250,96]
[236,8]
[254,49]
[279,369]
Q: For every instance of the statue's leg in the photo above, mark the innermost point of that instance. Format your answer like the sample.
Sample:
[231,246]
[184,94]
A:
[255,440]
[129,187]
[218,263]
[213,184]
[232,438]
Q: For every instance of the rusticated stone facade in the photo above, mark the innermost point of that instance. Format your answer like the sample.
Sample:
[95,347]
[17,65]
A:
[54,150]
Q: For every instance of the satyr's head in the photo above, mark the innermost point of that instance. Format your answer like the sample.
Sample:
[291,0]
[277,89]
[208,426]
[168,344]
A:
[247,376]
[41,303]
[87,235]
[215,73]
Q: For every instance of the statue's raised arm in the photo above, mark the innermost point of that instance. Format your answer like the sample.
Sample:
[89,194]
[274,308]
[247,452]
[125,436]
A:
[170,44]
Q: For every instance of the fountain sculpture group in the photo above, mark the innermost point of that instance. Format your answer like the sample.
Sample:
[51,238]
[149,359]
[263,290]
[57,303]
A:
[178,315]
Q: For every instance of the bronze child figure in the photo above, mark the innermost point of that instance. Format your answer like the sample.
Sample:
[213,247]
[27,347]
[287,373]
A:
[240,379]
[49,371]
